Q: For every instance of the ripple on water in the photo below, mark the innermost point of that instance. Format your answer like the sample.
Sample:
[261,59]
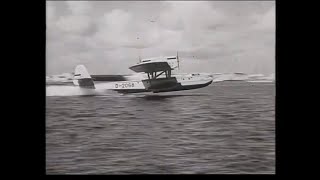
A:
[223,128]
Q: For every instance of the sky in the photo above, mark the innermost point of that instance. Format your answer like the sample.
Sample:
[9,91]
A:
[210,36]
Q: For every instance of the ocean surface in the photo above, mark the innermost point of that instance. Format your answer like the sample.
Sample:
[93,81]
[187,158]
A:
[225,128]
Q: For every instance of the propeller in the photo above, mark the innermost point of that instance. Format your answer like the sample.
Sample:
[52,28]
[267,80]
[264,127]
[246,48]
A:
[178,60]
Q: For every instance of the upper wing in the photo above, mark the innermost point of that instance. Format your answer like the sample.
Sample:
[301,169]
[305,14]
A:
[149,67]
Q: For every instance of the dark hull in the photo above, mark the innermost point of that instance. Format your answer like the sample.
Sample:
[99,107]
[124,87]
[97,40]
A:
[179,87]
[130,91]
[182,88]
[108,78]
[160,83]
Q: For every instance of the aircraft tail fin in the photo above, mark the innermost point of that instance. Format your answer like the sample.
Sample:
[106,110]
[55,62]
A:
[82,78]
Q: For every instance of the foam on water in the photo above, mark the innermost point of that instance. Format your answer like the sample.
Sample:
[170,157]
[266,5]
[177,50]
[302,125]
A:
[75,91]
[65,90]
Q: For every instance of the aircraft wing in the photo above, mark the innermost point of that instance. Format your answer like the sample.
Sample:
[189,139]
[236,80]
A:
[150,67]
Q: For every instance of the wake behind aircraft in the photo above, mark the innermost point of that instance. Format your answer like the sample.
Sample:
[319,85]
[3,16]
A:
[155,75]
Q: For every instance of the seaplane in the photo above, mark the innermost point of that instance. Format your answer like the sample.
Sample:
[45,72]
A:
[154,75]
